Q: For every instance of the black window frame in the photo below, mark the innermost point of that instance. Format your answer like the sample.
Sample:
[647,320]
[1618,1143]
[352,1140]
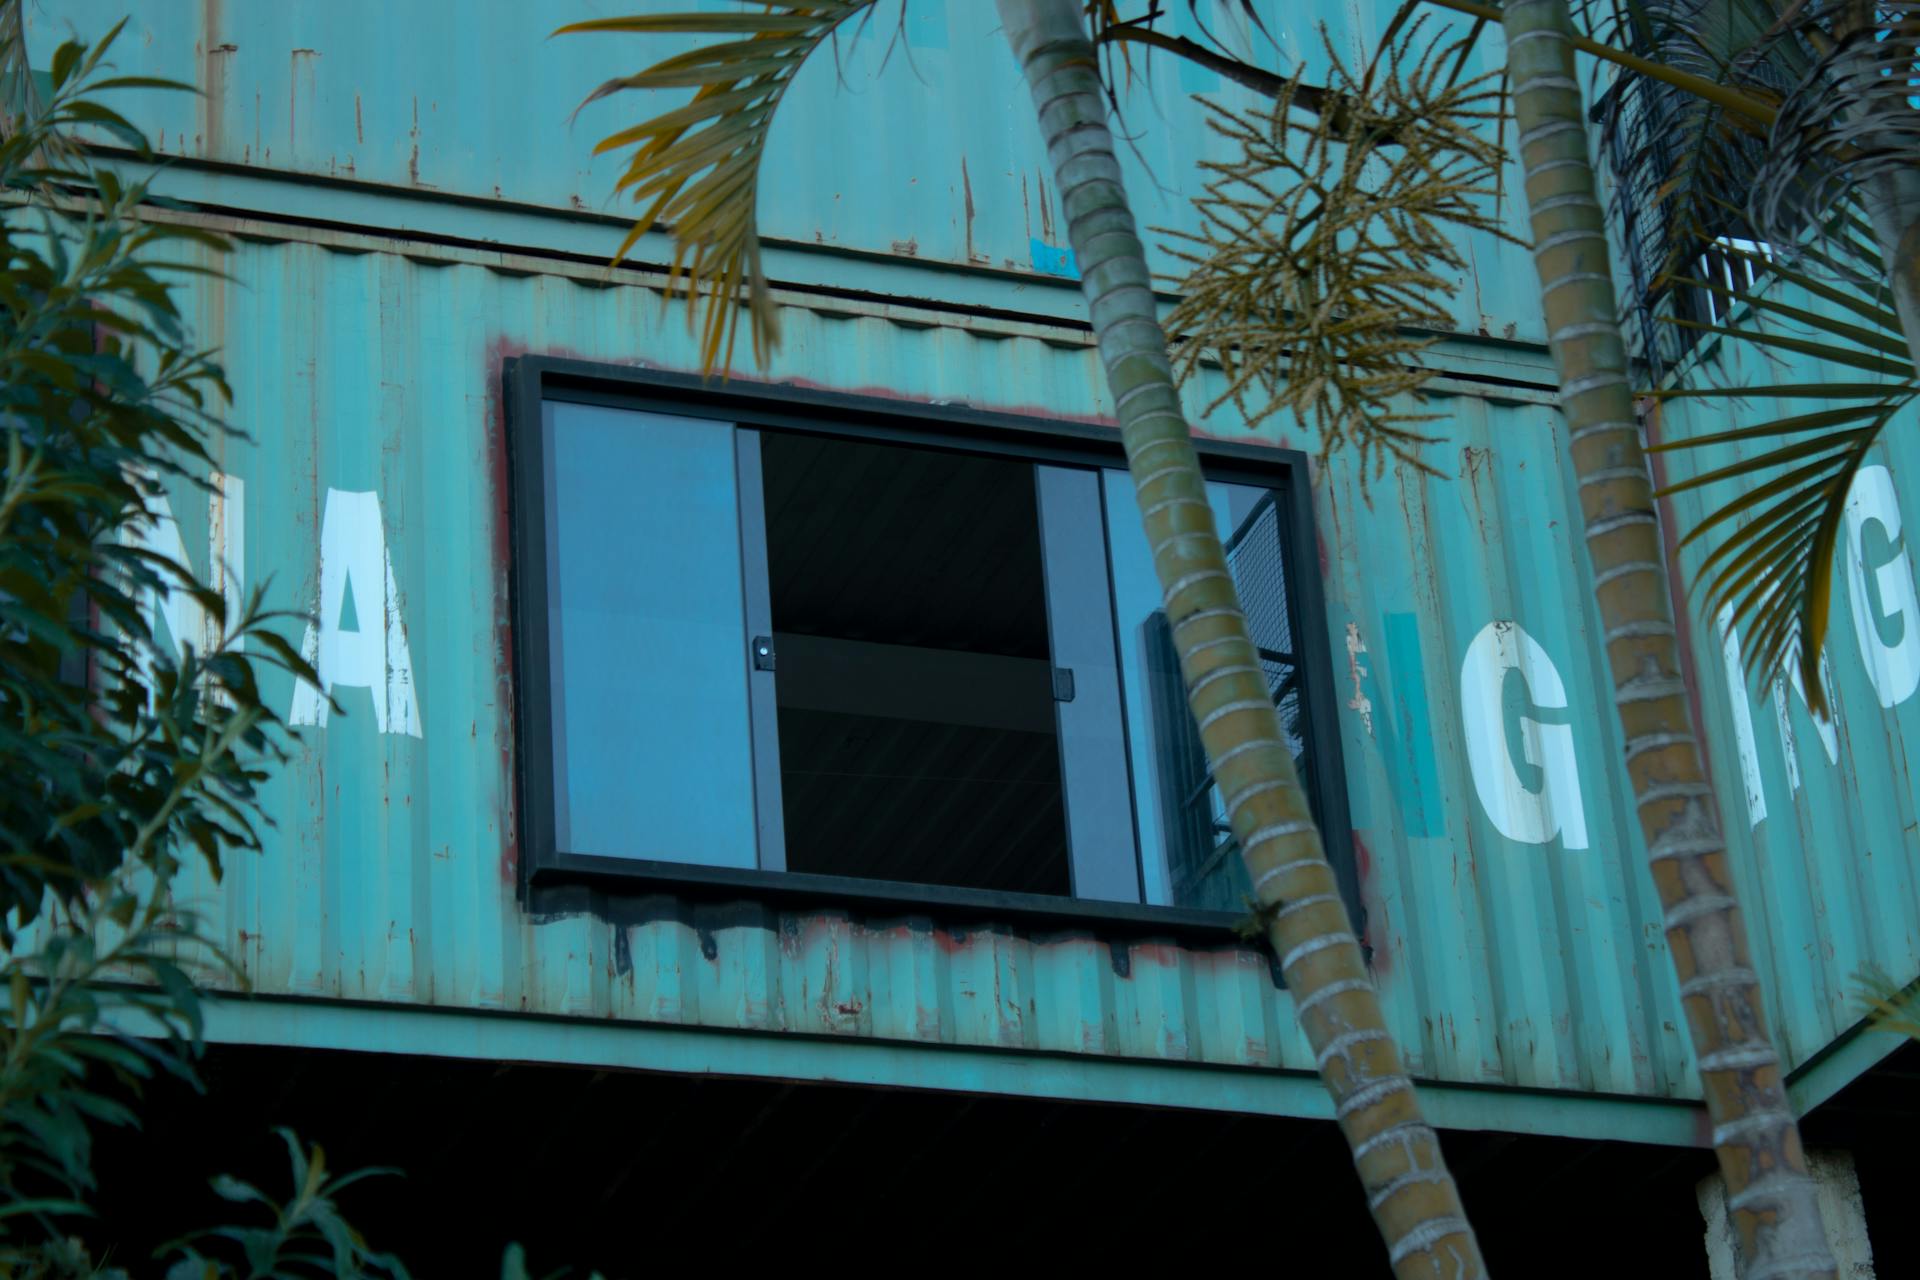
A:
[549,874]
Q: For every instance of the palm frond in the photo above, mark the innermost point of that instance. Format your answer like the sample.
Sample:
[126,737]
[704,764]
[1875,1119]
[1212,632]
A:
[1676,155]
[697,167]
[1322,244]
[1771,562]
[1889,1006]
[1836,79]
[1846,125]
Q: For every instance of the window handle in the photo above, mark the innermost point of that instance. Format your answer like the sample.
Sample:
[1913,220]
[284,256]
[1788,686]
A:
[763,653]
[1063,684]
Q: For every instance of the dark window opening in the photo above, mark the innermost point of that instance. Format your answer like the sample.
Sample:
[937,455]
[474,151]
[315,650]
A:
[915,702]
[763,647]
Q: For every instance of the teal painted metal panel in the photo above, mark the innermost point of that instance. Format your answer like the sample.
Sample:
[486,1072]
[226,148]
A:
[1823,819]
[1513,926]
[940,159]
[601,1045]
[1516,935]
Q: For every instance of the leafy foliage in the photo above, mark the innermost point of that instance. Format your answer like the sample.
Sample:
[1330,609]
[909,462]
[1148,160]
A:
[1848,125]
[1323,244]
[698,167]
[307,1237]
[513,1266]
[1676,155]
[1772,561]
[1889,1006]
[119,748]
[100,1008]
[1779,192]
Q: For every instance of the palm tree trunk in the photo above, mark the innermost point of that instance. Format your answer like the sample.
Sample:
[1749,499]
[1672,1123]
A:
[1769,1192]
[1412,1195]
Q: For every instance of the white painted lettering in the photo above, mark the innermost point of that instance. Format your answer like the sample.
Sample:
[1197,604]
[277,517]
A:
[368,651]
[185,622]
[1742,718]
[1893,668]
[1530,817]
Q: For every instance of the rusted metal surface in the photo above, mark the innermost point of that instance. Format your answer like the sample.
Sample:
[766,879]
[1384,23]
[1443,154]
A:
[1825,813]
[1513,945]
[940,159]
[1516,938]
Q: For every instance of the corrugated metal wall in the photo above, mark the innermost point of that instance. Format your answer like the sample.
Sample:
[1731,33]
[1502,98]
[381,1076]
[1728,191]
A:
[1828,814]
[1516,936]
[941,159]
[393,876]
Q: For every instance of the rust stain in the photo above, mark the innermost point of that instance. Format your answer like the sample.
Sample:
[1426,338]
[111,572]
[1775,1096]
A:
[966,191]
[1373,937]
[1046,211]
[1026,210]
[1162,954]
[359,130]
[214,58]
[293,93]
[501,545]
[413,157]
[908,248]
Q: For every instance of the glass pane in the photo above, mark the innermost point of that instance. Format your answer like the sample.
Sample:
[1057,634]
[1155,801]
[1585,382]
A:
[645,616]
[1091,725]
[1188,856]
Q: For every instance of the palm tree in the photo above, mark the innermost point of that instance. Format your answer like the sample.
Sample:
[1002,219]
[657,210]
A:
[1796,124]
[697,166]
[1769,1193]
[1772,570]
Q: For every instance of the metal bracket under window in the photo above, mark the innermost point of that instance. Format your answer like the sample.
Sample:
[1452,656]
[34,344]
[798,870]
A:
[1063,684]
[763,653]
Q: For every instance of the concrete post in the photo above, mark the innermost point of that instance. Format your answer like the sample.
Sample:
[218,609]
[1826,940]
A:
[1841,1211]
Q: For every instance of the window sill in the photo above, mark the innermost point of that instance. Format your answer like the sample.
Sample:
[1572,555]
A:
[950,907]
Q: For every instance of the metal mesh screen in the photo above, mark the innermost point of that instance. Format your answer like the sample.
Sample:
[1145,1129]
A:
[1258,564]
[1643,127]
[1203,858]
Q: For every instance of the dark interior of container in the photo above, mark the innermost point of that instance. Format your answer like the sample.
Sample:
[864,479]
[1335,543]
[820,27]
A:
[916,717]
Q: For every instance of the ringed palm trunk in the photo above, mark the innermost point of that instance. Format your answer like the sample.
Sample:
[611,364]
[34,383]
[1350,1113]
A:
[1769,1193]
[1412,1196]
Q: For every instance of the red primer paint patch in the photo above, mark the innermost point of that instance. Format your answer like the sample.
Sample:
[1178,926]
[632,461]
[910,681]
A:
[1374,937]
[500,542]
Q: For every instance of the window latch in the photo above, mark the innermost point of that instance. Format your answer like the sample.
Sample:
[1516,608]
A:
[1063,684]
[763,653]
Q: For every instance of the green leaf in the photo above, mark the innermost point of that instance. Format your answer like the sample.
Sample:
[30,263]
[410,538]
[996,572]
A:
[1778,391]
[697,165]
[1778,427]
[1899,369]
[65,59]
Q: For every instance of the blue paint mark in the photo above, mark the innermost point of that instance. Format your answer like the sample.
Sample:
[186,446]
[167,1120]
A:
[1053,261]
[1419,776]
[1402,730]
